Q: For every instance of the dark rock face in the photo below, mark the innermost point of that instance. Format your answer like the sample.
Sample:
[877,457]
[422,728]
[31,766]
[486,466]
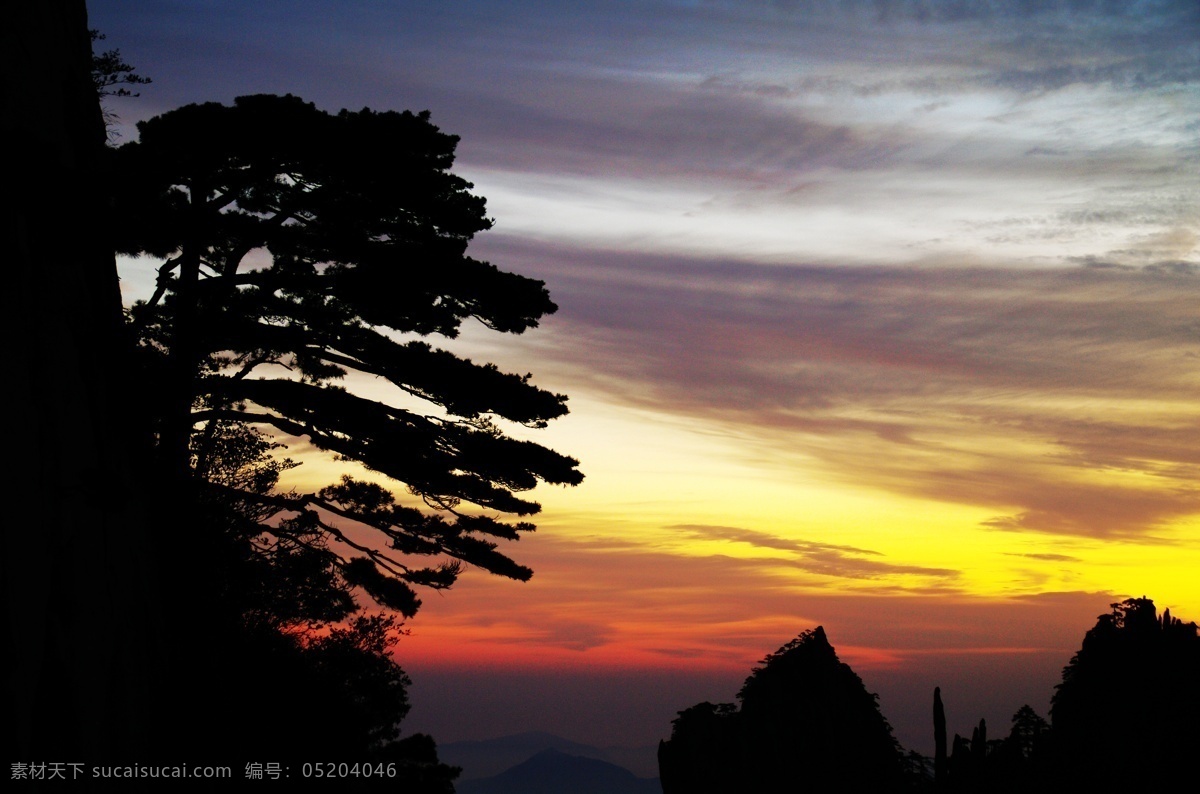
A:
[806,722]
[82,557]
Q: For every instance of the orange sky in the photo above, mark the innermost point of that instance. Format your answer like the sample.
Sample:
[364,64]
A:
[956,509]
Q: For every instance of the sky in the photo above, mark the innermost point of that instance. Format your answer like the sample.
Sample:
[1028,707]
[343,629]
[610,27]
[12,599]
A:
[882,316]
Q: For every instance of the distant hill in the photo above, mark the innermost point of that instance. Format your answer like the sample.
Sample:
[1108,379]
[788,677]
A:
[488,757]
[554,772]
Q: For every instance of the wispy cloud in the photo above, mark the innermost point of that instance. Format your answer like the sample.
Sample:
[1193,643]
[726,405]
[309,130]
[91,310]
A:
[1063,399]
[1047,557]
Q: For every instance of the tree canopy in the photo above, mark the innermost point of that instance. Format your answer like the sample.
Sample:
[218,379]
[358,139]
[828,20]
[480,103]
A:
[299,247]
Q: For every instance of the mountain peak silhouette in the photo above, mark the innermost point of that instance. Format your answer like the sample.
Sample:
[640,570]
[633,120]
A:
[806,721]
[1129,694]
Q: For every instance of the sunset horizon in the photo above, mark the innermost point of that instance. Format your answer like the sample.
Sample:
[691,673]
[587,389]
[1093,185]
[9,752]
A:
[881,317]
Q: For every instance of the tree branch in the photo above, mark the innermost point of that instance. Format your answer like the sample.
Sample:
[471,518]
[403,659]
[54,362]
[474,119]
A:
[163,280]
[250,417]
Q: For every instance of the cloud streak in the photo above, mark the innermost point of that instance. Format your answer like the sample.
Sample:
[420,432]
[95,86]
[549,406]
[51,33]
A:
[824,559]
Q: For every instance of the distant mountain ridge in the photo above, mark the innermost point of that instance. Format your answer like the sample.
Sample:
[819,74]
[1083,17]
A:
[488,757]
[555,772]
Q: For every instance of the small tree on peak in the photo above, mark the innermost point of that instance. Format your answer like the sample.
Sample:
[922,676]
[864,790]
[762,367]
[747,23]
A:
[111,74]
[111,77]
[1028,732]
